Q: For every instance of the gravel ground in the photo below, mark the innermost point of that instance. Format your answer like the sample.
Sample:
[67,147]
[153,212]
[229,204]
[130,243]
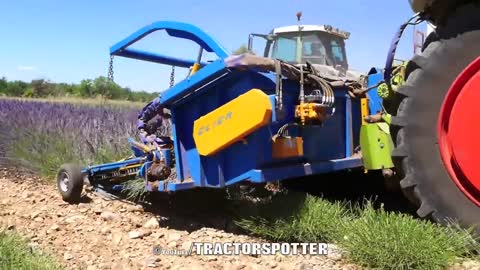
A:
[110,234]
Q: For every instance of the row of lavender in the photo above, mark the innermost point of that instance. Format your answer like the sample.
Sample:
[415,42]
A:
[43,135]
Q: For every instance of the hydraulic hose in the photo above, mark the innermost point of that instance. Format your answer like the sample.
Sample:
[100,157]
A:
[393,47]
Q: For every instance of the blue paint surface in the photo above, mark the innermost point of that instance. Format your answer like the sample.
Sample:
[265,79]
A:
[375,102]
[327,148]
[324,146]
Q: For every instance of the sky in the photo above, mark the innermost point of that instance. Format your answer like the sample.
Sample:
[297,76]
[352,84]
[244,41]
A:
[67,41]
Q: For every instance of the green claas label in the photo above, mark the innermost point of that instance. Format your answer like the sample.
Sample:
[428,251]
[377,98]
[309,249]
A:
[219,121]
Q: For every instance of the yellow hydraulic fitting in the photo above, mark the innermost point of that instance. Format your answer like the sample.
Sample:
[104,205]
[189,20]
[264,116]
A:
[195,68]
[310,111]
[364,110]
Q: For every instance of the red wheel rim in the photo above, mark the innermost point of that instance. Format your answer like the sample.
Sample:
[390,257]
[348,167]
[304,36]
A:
[459,131]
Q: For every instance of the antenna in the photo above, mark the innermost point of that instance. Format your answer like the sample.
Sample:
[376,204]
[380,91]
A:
[299,52]
[300,55]
[299,21]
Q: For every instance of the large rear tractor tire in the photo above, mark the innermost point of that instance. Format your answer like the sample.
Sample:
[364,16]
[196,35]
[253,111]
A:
[436,129]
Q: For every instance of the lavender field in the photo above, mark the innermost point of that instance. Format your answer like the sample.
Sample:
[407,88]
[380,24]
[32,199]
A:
[41,136]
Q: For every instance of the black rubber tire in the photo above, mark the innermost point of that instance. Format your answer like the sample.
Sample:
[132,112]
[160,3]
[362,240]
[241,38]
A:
[424,180]
[73,193]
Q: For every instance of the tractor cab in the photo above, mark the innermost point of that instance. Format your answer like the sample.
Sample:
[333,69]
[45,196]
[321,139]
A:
[297,44]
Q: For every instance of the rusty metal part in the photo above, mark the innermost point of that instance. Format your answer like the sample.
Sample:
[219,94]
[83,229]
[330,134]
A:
[355,90]
[274,187]
[154,185]
[388,173]
[166,113]
[158,171]
[391,182]
[374,118]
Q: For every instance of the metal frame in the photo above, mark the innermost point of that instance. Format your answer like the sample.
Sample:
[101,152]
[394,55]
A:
[194,83]
[112,166]
[210,75]
[174,29]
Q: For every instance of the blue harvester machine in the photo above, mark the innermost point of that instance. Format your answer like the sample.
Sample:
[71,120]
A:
[294,112]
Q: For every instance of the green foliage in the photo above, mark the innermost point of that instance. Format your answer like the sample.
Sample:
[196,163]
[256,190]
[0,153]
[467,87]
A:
[316,221]
[135,190]
[15,88]
[386,240]
[3,86]
[45,153]
[99,87]
[243,49]
[15,254]
[371,237]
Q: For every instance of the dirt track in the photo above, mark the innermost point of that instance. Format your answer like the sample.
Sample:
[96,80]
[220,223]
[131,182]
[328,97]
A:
[106,234]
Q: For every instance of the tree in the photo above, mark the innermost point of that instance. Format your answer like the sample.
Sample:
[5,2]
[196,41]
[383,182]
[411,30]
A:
[41,88]
[100,86]
[243,49]
[3,85]
[85,89]
[108,89]
[16,88]
[64,89]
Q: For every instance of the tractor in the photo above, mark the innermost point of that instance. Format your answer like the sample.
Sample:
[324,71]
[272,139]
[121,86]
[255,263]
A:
[432,122]
[299,110]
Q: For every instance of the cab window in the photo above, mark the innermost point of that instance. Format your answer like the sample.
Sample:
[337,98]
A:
[285,49]
[337,52]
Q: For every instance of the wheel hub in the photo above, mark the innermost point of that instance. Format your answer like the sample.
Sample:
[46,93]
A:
[459,132]
[64,182]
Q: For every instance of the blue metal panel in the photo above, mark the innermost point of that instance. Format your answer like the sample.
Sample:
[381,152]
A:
[328,141]
[179,186]
[241,160]
[207,76]
[175,29]
[117,188]
[168,157]
[274,112]
[176,148]
[375,102]
[279,173]
[348,126]
[216,170]
[298,170]
[356,121]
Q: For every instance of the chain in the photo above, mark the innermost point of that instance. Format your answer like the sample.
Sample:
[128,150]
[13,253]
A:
[110,69]
[172,77]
